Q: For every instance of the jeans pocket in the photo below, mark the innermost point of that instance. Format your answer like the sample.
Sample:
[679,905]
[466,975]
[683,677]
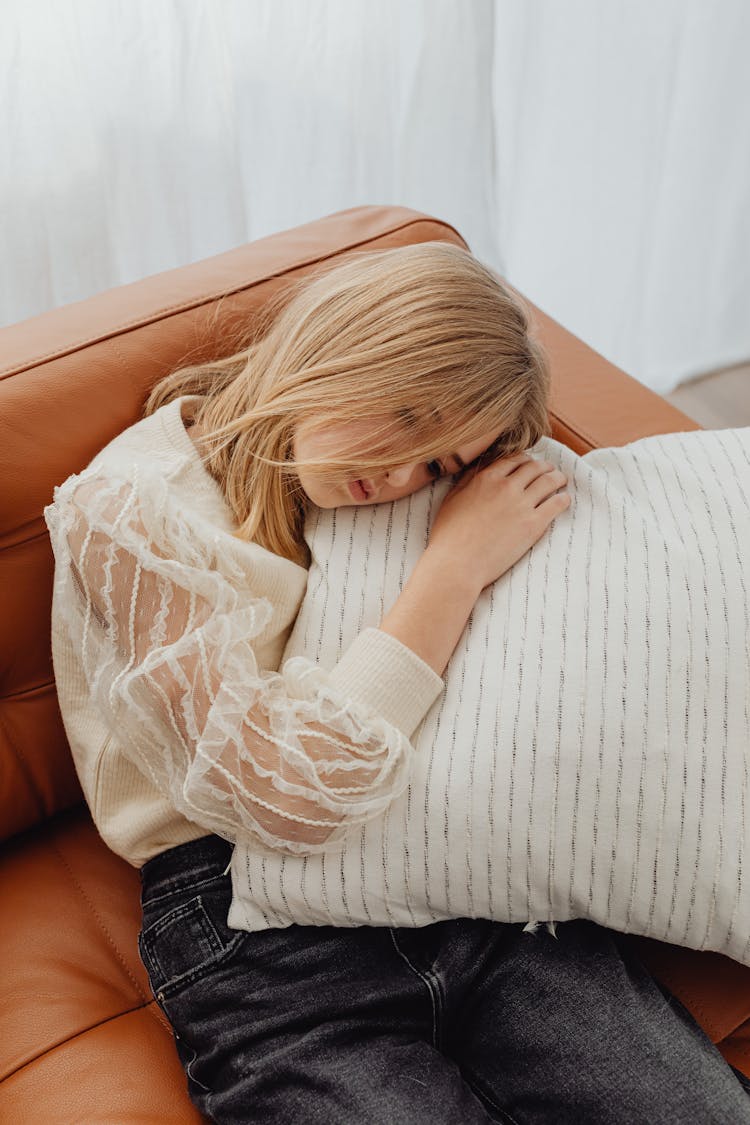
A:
[181,946]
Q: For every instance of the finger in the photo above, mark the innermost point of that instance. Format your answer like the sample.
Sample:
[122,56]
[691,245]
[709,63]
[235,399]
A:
[530,470]
[506,463]
[545,484]
[554,504]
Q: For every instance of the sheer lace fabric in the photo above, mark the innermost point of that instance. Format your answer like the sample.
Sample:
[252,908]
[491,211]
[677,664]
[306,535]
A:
[164,619]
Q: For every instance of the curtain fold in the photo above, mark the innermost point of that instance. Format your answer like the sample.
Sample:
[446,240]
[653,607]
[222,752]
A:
[623,175]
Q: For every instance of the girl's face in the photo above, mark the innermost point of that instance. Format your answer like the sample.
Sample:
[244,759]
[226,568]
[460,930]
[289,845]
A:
[391,484]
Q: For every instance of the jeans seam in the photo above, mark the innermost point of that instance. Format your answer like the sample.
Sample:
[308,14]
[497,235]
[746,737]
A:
[742,1078]
[436,987]
[434,999]
[478,1088]
[180,888]
[176,984]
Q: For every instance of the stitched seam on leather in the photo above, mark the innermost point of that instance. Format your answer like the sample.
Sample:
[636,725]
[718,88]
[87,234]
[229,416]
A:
[117,351]
[100,923]
[76,1035]
[42,534]
[28,691]
[735,1027]
[24,766]
[700,1014]
[697,1010]
[198,302]
[579,432]
[576,430]
[153,1008]
[710,1027]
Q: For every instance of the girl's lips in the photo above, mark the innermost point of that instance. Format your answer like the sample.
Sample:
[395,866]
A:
[357,490]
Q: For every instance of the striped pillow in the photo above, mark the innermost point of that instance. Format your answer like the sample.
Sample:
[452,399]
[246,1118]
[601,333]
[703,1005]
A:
[590,754]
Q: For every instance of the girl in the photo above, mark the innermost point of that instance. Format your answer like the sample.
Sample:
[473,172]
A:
[180,567]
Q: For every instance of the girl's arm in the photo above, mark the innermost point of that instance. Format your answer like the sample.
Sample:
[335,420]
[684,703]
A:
[166,645]
[484,526]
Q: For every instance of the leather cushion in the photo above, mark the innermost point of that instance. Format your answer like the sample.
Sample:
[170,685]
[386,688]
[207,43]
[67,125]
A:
[80,1035]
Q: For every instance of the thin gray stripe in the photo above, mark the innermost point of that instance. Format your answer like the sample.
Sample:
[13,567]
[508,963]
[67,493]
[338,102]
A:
[383,824]
[623,508]
[428,794]
[269,917]
[264,885]
[365,573]
[355,521]
[386,828]
[303,888]
[605,681]
[410,892]
[676,882]
[324,887]
[514,756]
[324,613]
[427,803]
[345,586]
[386,554]
[365,585]
[448,777]
[560,710]
[244,900]
[363,872]
[405,543]
[704,748]
[497,750]
[746,757]
[579,481]
[311,536]
[644,735]
[484,673]
[471,752]
[668,701]
[324,565]
[540,625]
[342,882]
[432,510]
[282,891]
[717,544]
[498,745]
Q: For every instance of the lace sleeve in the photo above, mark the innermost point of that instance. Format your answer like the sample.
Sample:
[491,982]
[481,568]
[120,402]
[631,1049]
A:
[165,634]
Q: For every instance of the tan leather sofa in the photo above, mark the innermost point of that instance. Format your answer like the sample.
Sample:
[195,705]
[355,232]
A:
[80,1037]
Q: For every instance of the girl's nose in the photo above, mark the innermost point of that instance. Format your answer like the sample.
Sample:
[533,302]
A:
[400,476]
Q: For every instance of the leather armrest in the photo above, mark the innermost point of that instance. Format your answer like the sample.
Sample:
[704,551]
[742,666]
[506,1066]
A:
[595,404]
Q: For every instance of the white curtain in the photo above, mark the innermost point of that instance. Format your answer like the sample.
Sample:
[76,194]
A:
[597,154]
[622,173]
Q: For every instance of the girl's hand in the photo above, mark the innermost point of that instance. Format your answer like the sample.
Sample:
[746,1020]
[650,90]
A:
[494,515]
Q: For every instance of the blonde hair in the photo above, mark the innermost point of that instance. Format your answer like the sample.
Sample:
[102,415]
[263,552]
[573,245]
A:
[423,334]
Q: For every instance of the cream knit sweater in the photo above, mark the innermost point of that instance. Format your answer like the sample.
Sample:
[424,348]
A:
[167,633]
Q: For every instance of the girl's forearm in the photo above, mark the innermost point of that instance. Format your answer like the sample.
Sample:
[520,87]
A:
[433,608]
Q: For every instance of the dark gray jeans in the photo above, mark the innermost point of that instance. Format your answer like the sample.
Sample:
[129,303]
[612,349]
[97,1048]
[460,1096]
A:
[459,1022]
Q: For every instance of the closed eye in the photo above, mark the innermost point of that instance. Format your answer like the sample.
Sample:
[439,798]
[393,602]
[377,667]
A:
[435,469]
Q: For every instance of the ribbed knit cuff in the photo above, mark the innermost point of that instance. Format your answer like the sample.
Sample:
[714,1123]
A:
[381,673]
